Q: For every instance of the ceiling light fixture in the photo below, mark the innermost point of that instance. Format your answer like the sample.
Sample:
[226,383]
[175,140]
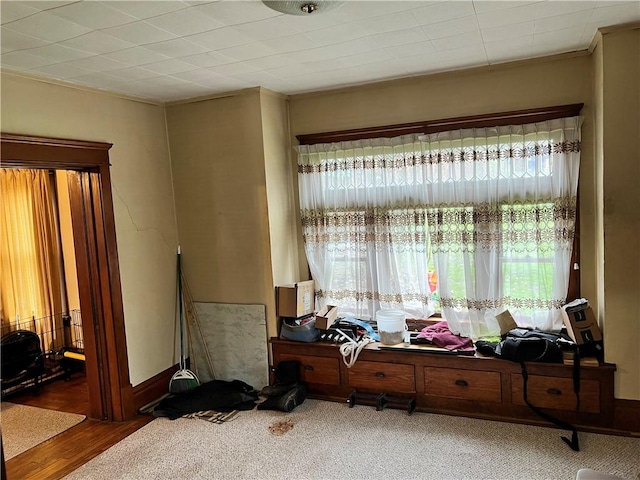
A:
[301,7]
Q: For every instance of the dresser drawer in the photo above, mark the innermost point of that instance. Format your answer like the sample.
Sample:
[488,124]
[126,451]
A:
[323,370]
[383,377]
[554,392]
[463,384]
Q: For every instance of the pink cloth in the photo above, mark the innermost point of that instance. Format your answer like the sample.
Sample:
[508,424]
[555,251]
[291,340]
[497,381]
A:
[440,335]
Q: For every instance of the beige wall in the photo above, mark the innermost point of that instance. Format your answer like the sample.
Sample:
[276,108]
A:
[621,193]
[142,195]
[218,164]
[282,203]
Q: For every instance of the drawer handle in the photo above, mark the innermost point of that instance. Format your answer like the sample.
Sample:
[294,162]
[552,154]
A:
[554,391]
[380,375]
[309,368]
[462,383]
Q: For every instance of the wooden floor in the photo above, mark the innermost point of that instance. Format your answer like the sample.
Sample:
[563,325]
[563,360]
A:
[67,451]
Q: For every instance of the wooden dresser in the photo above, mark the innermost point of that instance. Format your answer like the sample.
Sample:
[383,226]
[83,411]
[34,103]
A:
[487,388]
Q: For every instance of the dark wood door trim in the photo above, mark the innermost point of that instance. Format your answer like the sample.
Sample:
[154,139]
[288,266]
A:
[110,390]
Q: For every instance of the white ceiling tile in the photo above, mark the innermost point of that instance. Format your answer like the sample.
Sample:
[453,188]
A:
[185,22]
[562,22]
[61,71]
[11,40]
[140,33]
[507,16]
[209,59]
[221,38]
[258,78]
[443,11]
[100,80]
[290,43]
[146,8]
[11,11]
[566,39]
[97,42]
[613,15]
[58,53]
[167,67]
[272,61]
[269,28]
[416,64]
[366,57]
[49,4]
[467,40]
[342,49]
[340,33]
[47,27]
[514,49]
[165,81]
[236,12]
[232,69]
[544,49]
[399,37]
[133,73]
[98,63]
[201,75]
[420,48]
[387,23]
[93,15]
[452,27]
[464,56]
[326,20]
[292,71]
[136,56]
[248,51]
[555,8]
[176,48]
[484,6]
[495,34]
[23,60]
[356,10]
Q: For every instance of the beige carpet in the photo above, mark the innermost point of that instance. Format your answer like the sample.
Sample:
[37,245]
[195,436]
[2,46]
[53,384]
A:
[322,440]
[24,427]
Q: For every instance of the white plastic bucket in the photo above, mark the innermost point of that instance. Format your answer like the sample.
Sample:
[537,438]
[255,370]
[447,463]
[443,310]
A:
[391,326]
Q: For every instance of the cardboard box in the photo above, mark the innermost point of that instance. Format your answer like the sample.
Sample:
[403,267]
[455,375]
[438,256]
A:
[581,324]
[506,322]
[326,316]
[295,300]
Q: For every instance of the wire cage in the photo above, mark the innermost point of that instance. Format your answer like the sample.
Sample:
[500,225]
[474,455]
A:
[27,362]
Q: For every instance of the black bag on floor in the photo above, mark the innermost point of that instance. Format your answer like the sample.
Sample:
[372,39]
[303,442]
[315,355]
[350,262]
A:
[522,345]
[218,395]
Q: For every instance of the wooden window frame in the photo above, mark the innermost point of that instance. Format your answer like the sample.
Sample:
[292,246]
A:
[515,117]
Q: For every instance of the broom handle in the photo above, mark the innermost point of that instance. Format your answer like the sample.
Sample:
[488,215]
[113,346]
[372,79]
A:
[182,359]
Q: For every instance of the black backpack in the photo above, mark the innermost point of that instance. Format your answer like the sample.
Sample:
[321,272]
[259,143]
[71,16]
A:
[522,345]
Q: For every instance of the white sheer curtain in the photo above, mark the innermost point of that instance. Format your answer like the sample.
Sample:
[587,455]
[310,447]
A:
[364,230]
[494,206]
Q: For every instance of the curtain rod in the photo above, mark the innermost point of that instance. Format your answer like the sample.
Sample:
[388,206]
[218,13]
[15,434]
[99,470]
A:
[532,115]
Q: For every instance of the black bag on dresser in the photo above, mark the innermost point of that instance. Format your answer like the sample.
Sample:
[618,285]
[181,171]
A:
[522,345]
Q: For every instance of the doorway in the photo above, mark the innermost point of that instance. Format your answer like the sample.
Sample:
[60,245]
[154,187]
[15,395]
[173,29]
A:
[108,385]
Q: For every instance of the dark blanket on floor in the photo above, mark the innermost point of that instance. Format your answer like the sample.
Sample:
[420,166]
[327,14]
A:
[218,395]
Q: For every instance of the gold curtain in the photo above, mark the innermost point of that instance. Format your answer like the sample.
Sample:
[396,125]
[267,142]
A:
[30,263]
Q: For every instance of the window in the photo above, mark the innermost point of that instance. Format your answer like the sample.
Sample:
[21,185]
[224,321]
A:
[487,215]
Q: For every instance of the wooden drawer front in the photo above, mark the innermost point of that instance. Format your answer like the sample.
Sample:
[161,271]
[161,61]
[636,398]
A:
[316,369]
[464,384]
[554,392]
[383,377]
